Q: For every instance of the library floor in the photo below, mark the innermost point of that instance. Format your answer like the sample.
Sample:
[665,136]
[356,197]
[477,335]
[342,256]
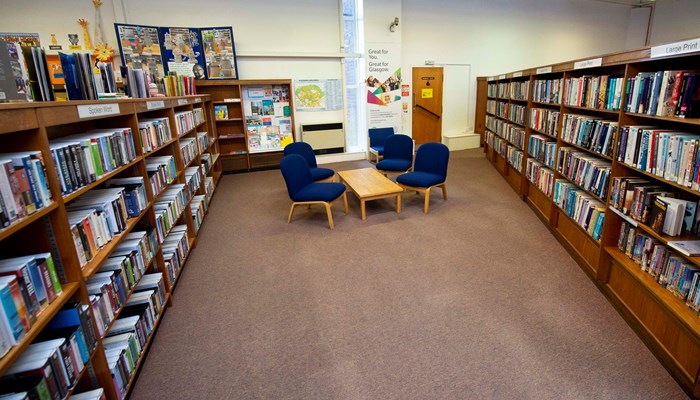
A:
[475,300]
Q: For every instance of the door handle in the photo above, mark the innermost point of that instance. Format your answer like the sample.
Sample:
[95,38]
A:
[414,100]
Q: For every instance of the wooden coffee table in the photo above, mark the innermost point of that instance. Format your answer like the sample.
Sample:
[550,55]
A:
[370,184]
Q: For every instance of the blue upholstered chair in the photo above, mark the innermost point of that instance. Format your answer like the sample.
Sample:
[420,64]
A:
[303,190]
[377,136]
[398,154]
[304,149]
[429,171]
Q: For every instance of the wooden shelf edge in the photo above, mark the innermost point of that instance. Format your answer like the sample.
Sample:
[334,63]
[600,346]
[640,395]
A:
[67,291]
[588,235]
[21,223]
[161,147]
[84,189]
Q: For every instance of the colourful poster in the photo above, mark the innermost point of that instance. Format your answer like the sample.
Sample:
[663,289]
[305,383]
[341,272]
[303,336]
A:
[140,48]
[182,51]
[383,85]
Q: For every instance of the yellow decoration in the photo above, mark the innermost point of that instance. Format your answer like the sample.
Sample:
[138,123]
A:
[86,35]
[103,52]
[426,93]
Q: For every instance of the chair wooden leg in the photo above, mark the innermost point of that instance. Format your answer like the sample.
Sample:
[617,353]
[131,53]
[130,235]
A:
[345,201]
[291,211]
[330,215]
[444,191]
[427,200]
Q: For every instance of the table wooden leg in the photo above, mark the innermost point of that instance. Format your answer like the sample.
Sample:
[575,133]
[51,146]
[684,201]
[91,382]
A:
[398,204]
[362,210]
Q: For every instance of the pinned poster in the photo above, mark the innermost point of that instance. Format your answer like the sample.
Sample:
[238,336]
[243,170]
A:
[426,93]
[383,85]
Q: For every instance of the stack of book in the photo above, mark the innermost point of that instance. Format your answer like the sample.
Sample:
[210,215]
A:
[490,106]
[547,91]
[169,207]
[492,89]
[134,192]
[154,133]
[198,116]
[161,172]
[84,158]
[515,158]
[24,188]
[664,93]
[540,176]
[188,150]
[193,177]
[515,134]
[519,90]
[586,211]
[184,121]
[175,85]
[209,187]
[95,218]
[83,82]
[206,162]
[517,113]
[502,109]
[203,141]
[590,133]
[198,206]
[543,148]
[175,249]
[503,90]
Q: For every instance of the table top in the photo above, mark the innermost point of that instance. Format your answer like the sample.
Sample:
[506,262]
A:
[368,182]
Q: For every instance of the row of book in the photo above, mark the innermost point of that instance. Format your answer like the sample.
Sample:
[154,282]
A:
[517,113]
[547,91]
[492,90]
[544,121]
[161,172]
[203,141]
[655,205]
[519,90]
[198,207]
[125,341]
[85,82]
[209,188]
[540,176]
[193,178]
[137,83]
[198,115]
[503,90]
[661,262]
[178,85]
[84,158]
[95,218]
[581,207]
[667,154]
[110,286]
[664,94]
[27,286]
[513,133]
[184,122]
[24,186]
[188,150]
[590,133]
[154,133]
[169,207]
[175,249]
[588,172]
[206,161]
[602,92]
[515,158]
[49,368]
[543,148]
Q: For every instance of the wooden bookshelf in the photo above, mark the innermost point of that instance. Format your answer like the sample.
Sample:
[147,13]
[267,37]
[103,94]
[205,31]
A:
[31,127]
[669,328]
[233,136]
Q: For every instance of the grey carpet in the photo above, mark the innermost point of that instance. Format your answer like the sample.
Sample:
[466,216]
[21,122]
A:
[475,300]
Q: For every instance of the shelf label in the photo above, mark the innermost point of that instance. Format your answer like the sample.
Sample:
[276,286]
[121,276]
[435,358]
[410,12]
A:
[544,70]
[197,100]
[152,105]
[502,76]
[97,110]
[593,62]
[182,102]
[517,74]
[672,49]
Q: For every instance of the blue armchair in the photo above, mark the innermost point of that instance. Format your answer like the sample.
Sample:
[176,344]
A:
[429,171]
[398,154]
[377,136]
[304,149]
[304,191]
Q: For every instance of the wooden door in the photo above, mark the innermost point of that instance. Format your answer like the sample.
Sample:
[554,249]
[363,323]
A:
[427,104]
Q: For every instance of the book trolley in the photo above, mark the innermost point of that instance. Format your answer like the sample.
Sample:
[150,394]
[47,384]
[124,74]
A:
[532,126]
[178,167]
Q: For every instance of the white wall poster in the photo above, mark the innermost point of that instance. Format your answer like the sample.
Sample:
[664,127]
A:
[383,85]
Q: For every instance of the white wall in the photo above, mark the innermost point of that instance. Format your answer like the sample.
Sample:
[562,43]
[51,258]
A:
[675,20]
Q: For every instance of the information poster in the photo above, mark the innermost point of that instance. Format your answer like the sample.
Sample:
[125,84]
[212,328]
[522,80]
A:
[219,53]
[182,51]
[318,95]
[268,117]
[140,48]
[383,85]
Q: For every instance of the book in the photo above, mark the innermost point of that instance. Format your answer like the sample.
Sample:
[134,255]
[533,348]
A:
[688,248]
[221,112]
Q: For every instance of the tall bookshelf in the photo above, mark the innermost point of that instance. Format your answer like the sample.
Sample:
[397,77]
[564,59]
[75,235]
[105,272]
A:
[234,137]
[669,327]
[35,126]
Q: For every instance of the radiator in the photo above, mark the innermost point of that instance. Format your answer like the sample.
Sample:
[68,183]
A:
[324,138]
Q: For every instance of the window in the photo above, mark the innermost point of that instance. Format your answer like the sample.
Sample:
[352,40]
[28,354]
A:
[353,42]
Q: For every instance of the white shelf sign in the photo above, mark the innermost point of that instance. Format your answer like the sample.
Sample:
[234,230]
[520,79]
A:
[97,110]
[502,76]
[517,74]
[593,62]
[673,49]
[544,70]
[182,102]
[152,105]
[197,100]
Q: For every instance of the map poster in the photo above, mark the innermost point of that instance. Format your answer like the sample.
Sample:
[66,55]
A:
[140,48]
[219,53]
[182,51]
[318,95]
[383,85]
[267,113]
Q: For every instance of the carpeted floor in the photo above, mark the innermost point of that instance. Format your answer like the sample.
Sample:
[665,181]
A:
[475,300]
